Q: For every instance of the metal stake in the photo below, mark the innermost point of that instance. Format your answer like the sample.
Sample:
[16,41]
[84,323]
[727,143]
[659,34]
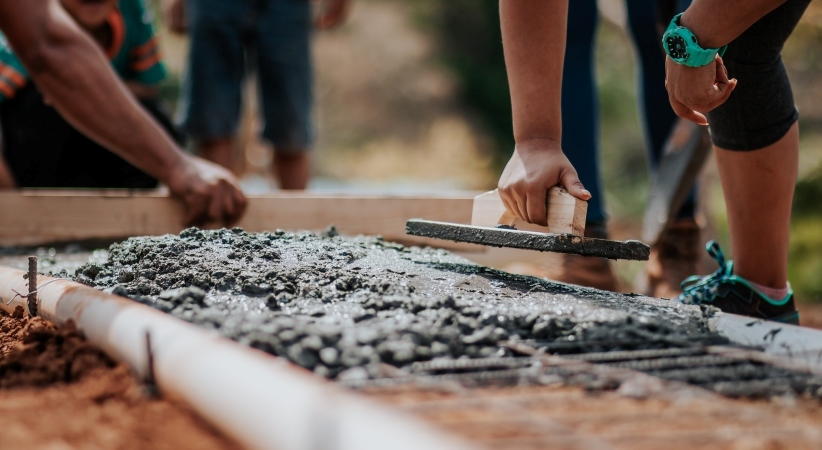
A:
[150,385]
[32,297]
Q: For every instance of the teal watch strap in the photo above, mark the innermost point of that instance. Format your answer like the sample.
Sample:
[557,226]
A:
[682,46]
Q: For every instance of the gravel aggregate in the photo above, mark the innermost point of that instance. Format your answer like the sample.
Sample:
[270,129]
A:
[345,307]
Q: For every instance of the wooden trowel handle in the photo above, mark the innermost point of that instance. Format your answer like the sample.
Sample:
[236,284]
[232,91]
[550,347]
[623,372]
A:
[566,213]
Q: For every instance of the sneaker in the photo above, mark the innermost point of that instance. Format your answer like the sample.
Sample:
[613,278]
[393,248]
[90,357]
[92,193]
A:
[734,294]
[673,258]
[585,271]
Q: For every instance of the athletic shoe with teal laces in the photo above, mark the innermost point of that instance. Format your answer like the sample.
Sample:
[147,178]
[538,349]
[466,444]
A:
[734,294]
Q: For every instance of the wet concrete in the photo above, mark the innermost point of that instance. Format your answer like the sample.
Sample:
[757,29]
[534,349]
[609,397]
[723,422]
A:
[528,240]
[346,307]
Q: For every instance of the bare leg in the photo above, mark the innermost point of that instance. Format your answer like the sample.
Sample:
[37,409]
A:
[758,188]
[218,151]
[292,169]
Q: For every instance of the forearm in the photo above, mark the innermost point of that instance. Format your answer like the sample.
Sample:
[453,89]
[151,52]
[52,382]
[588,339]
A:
[718,22]
[77,80]
[533,36]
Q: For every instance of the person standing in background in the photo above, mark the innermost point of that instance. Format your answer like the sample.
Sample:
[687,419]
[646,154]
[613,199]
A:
[228,39]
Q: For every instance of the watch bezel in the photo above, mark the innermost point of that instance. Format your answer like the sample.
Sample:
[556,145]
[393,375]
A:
[676,54]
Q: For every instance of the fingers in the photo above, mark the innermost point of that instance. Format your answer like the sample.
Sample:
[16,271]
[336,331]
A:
[721,71]
[235,205]
[195,209]
[535,207]
[215,205]
[722,88]
[519,207]
[570,180]
[687,113]
[224,204]
[697,91]
[229,209]
[503,195]
[727,89]
[513,203]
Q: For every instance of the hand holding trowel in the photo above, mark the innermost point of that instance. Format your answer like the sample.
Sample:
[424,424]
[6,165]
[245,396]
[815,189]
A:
[494,225]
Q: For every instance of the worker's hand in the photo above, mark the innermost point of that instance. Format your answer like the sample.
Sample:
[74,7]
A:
[210,192]
[175,15]
[694,91]
[536,166]
[333,13]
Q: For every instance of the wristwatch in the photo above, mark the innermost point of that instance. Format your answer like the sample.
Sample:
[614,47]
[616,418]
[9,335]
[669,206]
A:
[681,45]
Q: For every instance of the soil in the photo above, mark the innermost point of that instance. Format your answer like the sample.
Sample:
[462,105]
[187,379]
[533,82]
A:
[36,353]
[58,391]
[810,314]
[529,417]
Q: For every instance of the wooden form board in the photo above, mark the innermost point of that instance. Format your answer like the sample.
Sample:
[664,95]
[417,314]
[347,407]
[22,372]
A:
[45,216]
[566,213]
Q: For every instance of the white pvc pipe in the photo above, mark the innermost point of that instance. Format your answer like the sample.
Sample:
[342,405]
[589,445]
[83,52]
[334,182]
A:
[802,345]
[260,401]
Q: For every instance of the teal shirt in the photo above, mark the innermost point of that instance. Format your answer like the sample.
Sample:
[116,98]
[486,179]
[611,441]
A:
[134,51]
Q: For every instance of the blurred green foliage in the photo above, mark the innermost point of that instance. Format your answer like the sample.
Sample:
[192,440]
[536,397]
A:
[470,41]
[805,266]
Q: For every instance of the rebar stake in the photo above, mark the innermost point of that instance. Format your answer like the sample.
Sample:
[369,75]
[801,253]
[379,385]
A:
[32,297]
[150,386]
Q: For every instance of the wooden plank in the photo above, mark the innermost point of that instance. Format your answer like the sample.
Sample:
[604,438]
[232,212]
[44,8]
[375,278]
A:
[46,216]
[566,213]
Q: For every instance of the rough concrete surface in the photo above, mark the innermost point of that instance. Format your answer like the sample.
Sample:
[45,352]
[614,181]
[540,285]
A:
[343,305]
[354,308]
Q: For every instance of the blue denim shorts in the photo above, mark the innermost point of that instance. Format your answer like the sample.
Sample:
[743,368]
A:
[228,39]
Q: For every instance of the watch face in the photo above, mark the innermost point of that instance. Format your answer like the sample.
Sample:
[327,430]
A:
[676,47]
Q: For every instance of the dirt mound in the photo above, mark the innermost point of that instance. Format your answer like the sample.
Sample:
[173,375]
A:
[45,354]
[68,394]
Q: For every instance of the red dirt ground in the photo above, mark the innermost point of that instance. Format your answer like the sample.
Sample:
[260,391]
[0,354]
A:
[59,392]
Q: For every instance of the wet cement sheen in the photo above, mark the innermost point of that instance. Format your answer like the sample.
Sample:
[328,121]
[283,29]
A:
[343,306]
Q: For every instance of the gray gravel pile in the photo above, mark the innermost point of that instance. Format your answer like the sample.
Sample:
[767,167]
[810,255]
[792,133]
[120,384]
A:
[350,307]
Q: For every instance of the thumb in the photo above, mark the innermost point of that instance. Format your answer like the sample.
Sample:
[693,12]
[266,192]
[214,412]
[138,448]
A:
[727,93]
[571,182]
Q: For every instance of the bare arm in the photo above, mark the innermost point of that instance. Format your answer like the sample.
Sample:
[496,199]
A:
[533,36]
[718,22]
[75,77]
